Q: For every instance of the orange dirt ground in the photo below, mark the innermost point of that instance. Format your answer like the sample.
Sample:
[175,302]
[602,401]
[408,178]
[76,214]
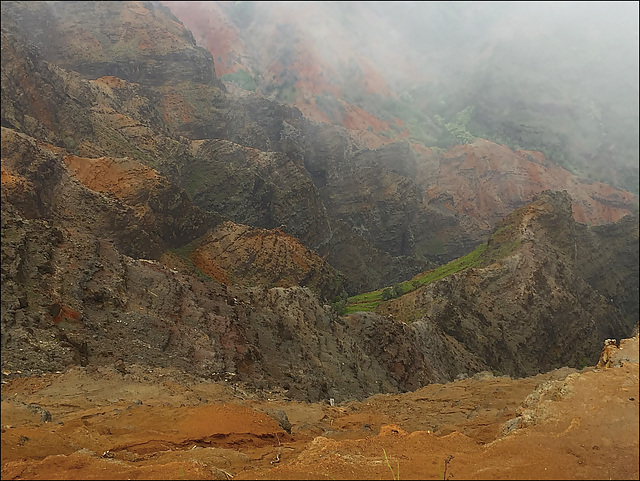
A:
[141,423]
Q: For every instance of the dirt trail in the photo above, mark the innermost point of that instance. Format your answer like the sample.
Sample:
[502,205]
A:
[98,423]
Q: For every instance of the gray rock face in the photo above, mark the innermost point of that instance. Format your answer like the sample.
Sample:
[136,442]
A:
[261,189]
[71,296]
[379,194]
[608,259]
[281,417]
[526,308]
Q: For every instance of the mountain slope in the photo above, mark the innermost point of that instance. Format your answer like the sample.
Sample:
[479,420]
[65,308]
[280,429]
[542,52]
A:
[124,183]
[524,305]
[253,160]
[560,79]
[70,294]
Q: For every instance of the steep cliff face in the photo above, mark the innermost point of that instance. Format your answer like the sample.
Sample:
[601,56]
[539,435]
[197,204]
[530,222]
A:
[608,260]
[76,290]
[262,189]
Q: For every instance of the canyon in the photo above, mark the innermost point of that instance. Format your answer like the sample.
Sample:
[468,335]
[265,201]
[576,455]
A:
[175,248]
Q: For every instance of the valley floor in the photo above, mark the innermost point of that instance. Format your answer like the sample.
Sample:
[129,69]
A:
[131,422]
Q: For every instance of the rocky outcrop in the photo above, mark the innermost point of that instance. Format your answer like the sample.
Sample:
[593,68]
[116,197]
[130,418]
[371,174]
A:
[98,39]
[234,254]
[526,307]
[377,194]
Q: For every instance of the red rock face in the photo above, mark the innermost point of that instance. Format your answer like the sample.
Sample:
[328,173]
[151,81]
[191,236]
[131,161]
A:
[311,60]
[214,31]
[488,181]
[242,255]
[285,46]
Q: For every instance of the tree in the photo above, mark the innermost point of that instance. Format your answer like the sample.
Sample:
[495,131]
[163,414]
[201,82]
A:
[388,293]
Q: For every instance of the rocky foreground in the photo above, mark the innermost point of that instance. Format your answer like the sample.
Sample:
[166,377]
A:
[129,422]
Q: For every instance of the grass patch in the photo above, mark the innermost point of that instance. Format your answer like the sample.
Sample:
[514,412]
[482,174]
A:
[470,260]
[370,300]
[364,302]
[503,242]
[240,78]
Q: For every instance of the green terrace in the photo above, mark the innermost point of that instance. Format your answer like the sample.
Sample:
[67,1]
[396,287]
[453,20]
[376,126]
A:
[370,300]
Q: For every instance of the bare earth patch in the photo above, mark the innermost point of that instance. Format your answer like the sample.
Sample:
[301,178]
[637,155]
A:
[98,423]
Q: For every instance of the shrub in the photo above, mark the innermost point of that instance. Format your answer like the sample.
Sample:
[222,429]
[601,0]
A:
[388,293]
[241,79]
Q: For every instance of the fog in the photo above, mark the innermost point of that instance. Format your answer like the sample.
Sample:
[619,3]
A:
[560,77]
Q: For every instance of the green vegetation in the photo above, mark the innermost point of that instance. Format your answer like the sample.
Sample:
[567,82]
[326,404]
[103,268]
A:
[421,128]
[339,302]
[504,241]
[388,293]
[330,106]
[370,300]
[583,362]
[390,134]
[240,78]
[458,127]
[396,476]
[287,94]
[364,302]
[424,125]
